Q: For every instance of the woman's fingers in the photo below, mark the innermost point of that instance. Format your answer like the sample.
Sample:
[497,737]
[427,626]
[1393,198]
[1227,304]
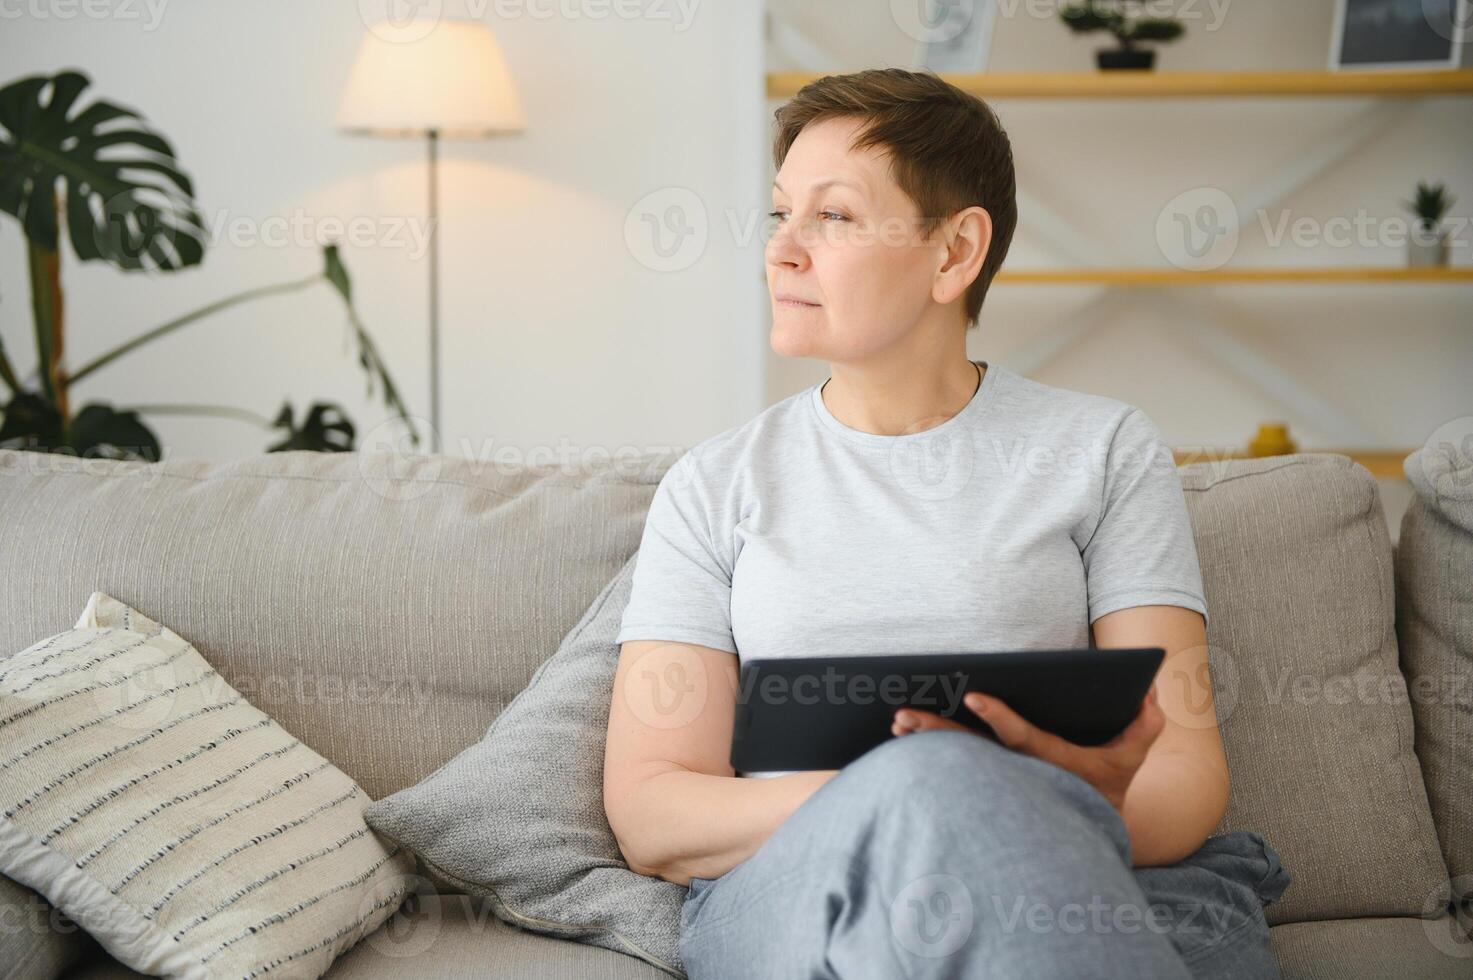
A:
[1137,737]
[1016,732]
[909,720]
[1124,751]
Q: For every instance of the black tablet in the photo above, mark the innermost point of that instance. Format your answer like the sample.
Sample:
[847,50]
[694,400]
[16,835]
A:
[825,712]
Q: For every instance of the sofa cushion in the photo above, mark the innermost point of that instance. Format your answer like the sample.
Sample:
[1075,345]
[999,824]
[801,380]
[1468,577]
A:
[518,818]
[1369,949]
[1434,588]
[348,595]
[37,941]
[1296,561]
[451,937]
[177,823]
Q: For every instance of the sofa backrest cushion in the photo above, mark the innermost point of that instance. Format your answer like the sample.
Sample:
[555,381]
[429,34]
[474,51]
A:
[1296,561]
[382,609]
[405,603]
[1434,621]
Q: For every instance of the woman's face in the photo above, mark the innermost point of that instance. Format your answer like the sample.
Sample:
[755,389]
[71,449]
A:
[846,239]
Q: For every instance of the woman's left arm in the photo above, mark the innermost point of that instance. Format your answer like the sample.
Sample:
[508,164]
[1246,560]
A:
[1180,791]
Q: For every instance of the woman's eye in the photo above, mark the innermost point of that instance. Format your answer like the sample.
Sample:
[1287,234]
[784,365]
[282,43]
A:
[829,214]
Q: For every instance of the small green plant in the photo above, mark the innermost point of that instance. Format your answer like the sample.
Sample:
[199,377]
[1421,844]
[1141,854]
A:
[126,202]
[1117,17]
[1432,202]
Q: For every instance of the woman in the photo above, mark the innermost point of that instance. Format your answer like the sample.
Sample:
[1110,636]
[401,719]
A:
[919,501]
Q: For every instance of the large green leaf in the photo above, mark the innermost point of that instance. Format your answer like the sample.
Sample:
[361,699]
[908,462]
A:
[325,429]
[126,200]
[30,422]
[99,430]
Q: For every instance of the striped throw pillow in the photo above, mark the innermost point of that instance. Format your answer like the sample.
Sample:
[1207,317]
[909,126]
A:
[179,825]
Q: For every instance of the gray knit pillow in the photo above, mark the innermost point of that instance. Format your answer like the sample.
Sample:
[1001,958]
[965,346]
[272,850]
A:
[518,818]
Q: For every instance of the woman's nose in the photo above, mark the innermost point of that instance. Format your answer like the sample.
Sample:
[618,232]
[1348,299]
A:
[784,249]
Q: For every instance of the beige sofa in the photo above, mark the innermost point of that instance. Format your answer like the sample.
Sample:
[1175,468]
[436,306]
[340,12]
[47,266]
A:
[410,600]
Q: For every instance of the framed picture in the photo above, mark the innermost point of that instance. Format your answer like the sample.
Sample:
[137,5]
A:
[1400,34]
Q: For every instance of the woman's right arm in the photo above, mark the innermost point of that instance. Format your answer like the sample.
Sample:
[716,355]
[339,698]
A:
[676,806]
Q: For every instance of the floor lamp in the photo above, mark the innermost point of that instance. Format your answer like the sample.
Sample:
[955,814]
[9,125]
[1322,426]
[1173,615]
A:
[452,83]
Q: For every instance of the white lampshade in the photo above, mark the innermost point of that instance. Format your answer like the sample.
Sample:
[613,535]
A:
[452,80]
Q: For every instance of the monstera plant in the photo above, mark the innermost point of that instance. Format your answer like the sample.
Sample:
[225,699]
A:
[125,201]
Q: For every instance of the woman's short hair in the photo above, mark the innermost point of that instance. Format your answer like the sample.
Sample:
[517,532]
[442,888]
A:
[947,149]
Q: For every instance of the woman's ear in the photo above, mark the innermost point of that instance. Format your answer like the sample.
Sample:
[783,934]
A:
[967,236]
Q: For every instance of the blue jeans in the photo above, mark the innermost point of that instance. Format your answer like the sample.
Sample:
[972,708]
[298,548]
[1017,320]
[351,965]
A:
[943,853]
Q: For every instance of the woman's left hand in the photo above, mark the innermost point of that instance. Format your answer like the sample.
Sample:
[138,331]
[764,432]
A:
[1108,767]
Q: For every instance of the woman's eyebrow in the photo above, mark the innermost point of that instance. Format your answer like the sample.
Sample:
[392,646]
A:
[828,182]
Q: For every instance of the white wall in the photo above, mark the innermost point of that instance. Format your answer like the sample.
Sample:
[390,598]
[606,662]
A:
[554,333]
[1378,366]
[558,336]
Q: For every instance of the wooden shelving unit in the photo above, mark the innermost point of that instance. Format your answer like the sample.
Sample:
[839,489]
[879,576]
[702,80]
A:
[1182,84]
[1166,277]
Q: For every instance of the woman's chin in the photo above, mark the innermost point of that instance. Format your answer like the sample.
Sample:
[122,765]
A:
[789,341]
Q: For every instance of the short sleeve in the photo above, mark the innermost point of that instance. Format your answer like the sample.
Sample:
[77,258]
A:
[681,589]
[1141,552]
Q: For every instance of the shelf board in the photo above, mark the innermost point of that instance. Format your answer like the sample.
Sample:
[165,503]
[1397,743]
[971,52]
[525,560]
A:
[1383,463]
[1129,84]
[1150,276]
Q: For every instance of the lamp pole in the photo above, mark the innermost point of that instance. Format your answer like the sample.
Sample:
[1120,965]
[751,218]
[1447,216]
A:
[451,82]
[434,153]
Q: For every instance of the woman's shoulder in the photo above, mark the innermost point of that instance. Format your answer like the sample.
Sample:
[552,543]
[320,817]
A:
[716,458]
[1067,412]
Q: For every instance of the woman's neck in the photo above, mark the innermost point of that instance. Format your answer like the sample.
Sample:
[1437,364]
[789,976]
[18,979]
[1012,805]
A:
[900,398]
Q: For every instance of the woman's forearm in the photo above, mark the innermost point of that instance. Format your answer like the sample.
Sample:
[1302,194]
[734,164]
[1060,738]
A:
[682,824]
[1173,804]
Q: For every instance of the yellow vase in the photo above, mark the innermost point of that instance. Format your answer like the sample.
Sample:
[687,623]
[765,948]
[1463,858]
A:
[1272,440]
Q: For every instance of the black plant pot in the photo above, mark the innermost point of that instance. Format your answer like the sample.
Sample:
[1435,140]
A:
[1138,58]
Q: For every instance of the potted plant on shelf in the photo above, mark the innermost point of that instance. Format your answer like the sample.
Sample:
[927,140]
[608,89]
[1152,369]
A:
[1427,244]
[98,177]
[1118,17]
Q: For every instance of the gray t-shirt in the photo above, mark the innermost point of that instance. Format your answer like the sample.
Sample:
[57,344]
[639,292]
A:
[1012,525]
